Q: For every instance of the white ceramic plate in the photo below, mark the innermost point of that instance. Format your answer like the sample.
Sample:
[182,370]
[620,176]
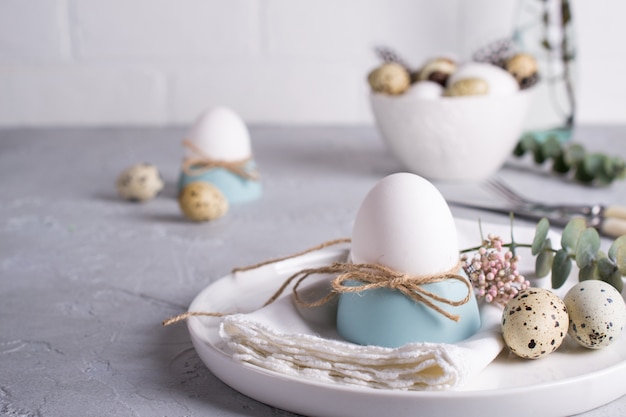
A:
[570,381]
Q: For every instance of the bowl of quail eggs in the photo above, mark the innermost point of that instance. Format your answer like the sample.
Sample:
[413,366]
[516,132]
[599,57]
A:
[450,120]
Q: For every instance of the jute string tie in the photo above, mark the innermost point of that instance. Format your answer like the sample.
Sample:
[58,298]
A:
[362,277]
[356,278]
[201,163]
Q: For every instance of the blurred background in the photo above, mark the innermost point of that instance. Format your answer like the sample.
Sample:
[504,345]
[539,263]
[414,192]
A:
[162,62]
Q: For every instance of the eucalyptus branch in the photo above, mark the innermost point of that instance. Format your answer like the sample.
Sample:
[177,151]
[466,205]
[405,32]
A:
[579,245]
[573,159]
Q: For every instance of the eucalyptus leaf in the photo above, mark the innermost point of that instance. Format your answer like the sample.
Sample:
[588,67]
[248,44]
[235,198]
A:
[539,156]
[541,233]
[587,247]
[606,268]
[571,233]
[526,143]
[617,253]
[543,263]
[619,167]
[582,175]
[561,268]
[588,272]
[574,154]
[605,173]
[615,167]
[551,148]
[519,150]
[560,165]
[573,159]
[593,163]
[615,279]
[610,166]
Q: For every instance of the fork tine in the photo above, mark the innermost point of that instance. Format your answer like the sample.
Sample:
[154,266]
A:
[506,191]
[520,201]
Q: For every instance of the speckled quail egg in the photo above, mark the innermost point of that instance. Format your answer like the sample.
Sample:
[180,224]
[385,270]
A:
[534,323]
[524,68]
[201,201]
[437,70]
[389,78]
[597,313]
[140,182]
[501,82]
[468,87]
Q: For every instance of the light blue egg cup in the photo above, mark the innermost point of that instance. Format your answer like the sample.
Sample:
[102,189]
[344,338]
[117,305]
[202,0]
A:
[235,188]
[386,317]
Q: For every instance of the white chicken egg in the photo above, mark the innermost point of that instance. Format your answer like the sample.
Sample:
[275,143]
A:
[428,90]
[597,313]
[501,82]
[220,134]
[534,323]
[405,223]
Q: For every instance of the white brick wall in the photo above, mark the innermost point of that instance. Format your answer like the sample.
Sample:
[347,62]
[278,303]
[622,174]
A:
[33,31]
[157,30]
[158,62]
[52,94]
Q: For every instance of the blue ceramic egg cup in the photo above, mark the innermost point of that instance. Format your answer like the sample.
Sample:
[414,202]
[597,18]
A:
[386,317]
[235,188]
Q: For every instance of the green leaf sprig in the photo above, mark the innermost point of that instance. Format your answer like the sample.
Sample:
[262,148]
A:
[581,245]
[572,159]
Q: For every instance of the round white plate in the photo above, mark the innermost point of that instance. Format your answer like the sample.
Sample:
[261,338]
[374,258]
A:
[570,381]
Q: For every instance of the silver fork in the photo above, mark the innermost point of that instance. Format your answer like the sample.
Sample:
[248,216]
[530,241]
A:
[609,220]
[513,197]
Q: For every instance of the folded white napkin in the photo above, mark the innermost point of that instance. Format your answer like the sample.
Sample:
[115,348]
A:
[278,338]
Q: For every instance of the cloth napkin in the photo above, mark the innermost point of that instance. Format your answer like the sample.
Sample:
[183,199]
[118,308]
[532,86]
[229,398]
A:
[279,339]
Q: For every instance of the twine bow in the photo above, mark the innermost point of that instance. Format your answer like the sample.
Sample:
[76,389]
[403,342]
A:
[369,276]
[373,276]
[201,163]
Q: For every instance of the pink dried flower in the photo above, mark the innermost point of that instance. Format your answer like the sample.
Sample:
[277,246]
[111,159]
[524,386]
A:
[494,274]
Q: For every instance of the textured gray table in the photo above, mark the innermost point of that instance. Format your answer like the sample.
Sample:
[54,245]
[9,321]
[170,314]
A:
[86,279]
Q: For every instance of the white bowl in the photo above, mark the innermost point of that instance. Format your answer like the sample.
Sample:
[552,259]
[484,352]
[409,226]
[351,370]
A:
[451,138]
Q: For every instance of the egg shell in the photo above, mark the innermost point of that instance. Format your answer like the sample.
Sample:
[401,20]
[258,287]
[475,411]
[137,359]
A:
[597,313]
[404,223]
[522,67]
[437,70]
[200,201]
[468,87]
[219,133]
[501,82]
[427,90]
[534,323]
[389,78]
[141,182]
